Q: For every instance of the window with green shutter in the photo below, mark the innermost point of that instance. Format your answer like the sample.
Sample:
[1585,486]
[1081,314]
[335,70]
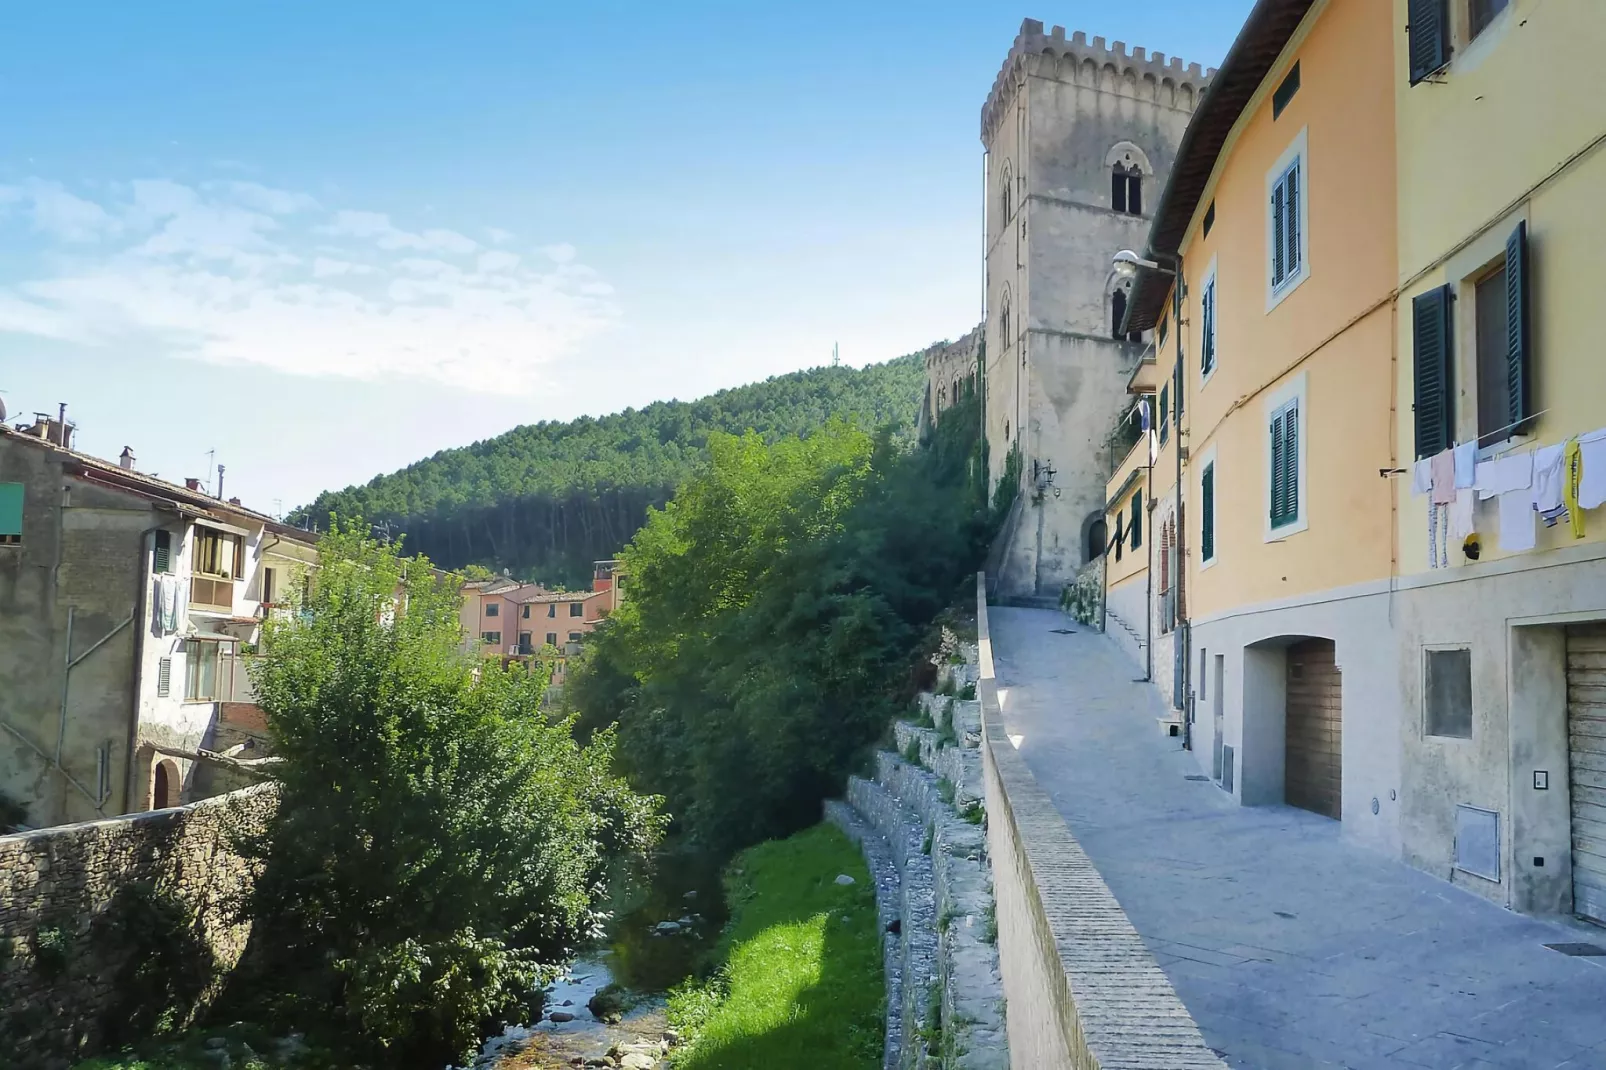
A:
[1286,251]
[1120,536]
[1165,412]
[1284,432]
[162,556]
[1518,360]
[1207,513]
[1431,351]
[10,513]
[1428,37]
[1207,344]
[1136,527]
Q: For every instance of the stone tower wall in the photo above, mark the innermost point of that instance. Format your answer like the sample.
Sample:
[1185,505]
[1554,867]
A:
[1062,112]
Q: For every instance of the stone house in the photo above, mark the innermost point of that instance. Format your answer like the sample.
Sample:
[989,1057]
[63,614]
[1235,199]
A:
[128,607]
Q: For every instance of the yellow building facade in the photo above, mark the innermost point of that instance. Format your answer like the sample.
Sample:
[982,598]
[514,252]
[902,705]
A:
[1384,219]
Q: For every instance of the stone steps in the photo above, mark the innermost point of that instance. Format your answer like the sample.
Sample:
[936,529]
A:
[914,812]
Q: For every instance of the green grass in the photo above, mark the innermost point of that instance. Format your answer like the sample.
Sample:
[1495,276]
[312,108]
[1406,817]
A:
[800,987]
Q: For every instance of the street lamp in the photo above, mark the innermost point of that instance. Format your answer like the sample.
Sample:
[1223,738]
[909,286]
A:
[1126,264]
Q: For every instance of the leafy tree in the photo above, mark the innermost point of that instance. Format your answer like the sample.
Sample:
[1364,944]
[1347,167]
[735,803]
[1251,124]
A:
[776,607]
[548,499]
[440,847]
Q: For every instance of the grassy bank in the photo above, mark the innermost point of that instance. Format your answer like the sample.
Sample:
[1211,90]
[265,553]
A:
[800,987]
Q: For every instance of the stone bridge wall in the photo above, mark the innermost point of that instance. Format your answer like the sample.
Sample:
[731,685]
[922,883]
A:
[109,927]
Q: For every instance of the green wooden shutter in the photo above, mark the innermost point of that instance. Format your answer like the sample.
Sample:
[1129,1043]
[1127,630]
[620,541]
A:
[162,559]
[1290,461]
[1207,513]
[1517,330]
[1276,468]
[11,509]
[1428,31]
[1137,520]
[1208,349]
[1291,209]
[1165,412]
[1278,236]
[1120,536]
[1430,323]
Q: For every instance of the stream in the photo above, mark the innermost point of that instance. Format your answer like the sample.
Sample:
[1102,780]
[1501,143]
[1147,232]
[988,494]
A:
[663,930]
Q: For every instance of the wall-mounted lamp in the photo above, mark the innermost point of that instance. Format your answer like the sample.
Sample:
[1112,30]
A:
[1127,263]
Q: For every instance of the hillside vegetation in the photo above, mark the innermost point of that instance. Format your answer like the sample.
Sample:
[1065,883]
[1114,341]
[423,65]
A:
[547,499]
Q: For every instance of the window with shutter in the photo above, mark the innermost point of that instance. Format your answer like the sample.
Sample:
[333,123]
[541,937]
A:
[1286,254]
[1165,412]
[1207,345]
[1428,33]
[268,585]
[162,556]
[1136,526]
[1284,433]
[164,678]
[1120,534]
[1518,332]
[1431,331]
[1207,513]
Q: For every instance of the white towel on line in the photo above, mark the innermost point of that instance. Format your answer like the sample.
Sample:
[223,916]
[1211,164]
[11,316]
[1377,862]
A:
[1466,460]
[1517,520]
[1514,471]
[1547,477]
[1422,476]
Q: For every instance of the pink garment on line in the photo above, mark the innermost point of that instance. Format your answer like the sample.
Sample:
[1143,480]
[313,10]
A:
[1444,478]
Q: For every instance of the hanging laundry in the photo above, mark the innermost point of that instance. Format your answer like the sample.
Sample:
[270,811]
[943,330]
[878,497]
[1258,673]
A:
[1516,521]
[1422,476]
[1547,477]
[1592,481]
[1552,516]
[1514,471]
[1572,473]
[1466,461]
[1433,535]
[169,600]
[1444,478]
[1461,519]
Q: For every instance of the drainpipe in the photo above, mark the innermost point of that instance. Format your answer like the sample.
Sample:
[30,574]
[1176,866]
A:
[1181,629]
[141,626]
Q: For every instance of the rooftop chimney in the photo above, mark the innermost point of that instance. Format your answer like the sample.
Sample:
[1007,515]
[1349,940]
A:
[220,482]
[126,461]
[191,483]
[234,501]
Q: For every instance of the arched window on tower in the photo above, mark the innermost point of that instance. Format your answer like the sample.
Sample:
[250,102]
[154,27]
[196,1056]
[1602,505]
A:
[1005,337]
[1126,189]
[1008,193]
[1118,303]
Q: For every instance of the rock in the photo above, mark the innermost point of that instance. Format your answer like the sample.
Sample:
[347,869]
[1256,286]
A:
[671,1037]
[674,926]
[601,1060]
[687,922]
[895,926]
[568,1003]
[560,1017]
[691,894]
[635,1060]
[844,880]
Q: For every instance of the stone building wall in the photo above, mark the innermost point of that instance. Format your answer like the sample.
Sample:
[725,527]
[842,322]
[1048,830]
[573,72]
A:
[108,927]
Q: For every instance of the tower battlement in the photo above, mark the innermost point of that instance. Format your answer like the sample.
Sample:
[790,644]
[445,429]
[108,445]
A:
[1108,66]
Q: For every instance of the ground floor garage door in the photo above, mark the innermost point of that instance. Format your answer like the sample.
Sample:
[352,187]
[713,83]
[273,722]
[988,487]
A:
[1586,744]
[1313,773]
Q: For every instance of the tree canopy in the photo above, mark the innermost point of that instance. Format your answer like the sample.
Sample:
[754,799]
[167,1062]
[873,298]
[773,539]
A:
[547,499]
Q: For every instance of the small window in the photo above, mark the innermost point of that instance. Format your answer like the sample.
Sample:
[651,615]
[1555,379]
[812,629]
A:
[1160,333]
[268,584]
[1210,218]
[1207,513]
[203,660]
[1494,393]
[577,609]
[1165,412]
[162,555]
[1207,345]
[524,643]
[1136,527]
[1117,312]
[217,553]
[574,637]
[1447,693]
[164,678]
[1284,432]
[1126,189]
[1285,92]
[1005,335]
[1480,13]
[551,638]
[492,638]
[1287,241]
[526,613]
[1120,534]
[493,609]
[552,609]
[1008,192]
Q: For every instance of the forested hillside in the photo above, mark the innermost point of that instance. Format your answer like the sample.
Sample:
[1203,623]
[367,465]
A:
[547,499]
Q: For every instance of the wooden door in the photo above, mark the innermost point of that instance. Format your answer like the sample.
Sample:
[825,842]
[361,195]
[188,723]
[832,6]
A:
[1313,773]
[1586,747]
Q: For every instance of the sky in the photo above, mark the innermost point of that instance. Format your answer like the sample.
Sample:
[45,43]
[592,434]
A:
[315,242]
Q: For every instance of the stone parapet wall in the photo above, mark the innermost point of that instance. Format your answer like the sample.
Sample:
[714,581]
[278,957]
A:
[108,926]
[1084,991]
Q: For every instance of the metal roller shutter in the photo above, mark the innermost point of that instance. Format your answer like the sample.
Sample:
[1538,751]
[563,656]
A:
[1586,744]
[1313,775]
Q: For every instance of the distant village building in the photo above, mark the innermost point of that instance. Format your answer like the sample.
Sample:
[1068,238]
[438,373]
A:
[128,609]
[514,621]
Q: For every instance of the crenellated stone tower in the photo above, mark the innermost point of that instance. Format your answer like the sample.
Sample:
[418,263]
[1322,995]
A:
[1079,137]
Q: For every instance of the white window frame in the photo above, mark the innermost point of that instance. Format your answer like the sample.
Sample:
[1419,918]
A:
[1208,286]
[1296,153]
[1207,462]
[1294,389]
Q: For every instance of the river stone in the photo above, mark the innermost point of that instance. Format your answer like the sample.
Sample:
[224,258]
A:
[844,880]
[561,1016]
[668,927]
[635,1060]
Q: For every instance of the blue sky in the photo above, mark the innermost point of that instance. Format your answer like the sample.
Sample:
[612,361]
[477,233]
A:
[325,240]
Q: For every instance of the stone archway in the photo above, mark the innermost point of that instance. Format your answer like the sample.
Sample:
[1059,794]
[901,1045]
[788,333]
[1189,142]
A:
[166,784]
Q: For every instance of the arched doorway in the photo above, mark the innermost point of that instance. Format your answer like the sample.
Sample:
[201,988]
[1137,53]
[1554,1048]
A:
[165,783]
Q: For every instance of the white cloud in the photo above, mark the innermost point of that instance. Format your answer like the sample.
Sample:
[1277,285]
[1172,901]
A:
[232,273]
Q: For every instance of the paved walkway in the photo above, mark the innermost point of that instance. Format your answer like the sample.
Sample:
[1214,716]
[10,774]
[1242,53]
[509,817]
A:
[1290,948]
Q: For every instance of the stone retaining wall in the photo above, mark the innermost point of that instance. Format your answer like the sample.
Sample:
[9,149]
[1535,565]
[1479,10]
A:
[1083,990]
[108,926]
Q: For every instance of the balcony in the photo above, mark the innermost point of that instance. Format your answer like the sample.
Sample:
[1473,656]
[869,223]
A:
[212,593]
